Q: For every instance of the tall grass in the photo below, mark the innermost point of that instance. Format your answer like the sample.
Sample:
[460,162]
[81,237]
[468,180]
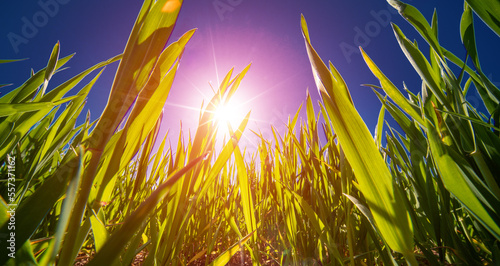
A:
[99,191]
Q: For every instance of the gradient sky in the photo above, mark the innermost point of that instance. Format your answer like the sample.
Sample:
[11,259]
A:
[236,33]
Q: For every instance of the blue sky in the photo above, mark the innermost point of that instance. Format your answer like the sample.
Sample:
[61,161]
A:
[235,33]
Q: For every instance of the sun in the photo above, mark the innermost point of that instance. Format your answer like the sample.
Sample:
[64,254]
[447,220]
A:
[228,114]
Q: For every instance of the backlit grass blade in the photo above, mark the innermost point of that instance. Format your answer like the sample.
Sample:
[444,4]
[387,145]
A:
[468,36]
[7,109]
[318,225]
[455,171]
[375,180]
[99,232]
[245,190]
[417,20]
[421,65]
[51,254]
[148,38]
[151,32]
[118,240]
[144,114]
[379,127]
[4,61]
[51,67]
[224,258]
[15,126]
[31,85]
[392,91]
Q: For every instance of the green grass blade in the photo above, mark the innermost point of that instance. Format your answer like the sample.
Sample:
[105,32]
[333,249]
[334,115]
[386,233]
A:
[468,36]
[245,189]
[67,207]
[7,109]
[380,126]
[51,68]
[31,85]
[488,11]
[4,61]
[454,173]
[392,91]
[224,258]
[421,65]
[118,240]
[373,176]
[99,231]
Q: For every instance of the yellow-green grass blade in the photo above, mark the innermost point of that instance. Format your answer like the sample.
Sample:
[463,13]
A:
[123,98]
[146,42]
[375,180]
[51,68]
[144,162]
[4,61]
[30,86]
[421,65]
[58,92]
[53,144]
[51,253]
[224,258]
[418,21]
[468,36]
[99,232]
[151,32]
[16,126]
[471,119]
[51,65]
[152,98]
[237,81]
[454,171]
[318,225]
[245,190]
[392,91]
[380,126]
[8,109]
[118,240]
[223,157]
[35,135]
[66,121]
[144,115]
[487,90]
[488,11]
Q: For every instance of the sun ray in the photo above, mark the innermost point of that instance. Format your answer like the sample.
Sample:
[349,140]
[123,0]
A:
[215,59]
[184,106]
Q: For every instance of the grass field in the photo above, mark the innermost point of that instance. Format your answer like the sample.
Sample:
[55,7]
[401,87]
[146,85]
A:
[97,193]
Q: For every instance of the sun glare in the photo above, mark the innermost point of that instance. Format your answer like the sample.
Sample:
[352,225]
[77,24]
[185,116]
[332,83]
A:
[228,113]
